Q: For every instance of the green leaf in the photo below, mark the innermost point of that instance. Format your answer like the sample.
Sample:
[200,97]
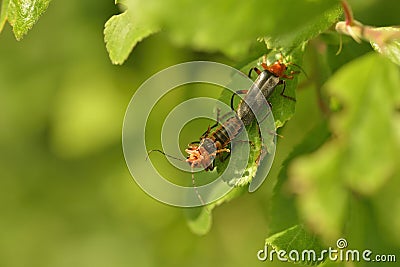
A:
[362,155]
[283,212]
[386,203]
[369,91]
[305,32]
[200,219]
[3,13]
[22,15]
[297,239]
[121,34]
[216,25]
[321,198]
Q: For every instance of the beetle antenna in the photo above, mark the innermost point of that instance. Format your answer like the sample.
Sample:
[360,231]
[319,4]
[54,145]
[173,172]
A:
[198,194]
[162,152]
[299,67]
[196,189]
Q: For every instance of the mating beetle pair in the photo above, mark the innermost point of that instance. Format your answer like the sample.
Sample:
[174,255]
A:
[203,153]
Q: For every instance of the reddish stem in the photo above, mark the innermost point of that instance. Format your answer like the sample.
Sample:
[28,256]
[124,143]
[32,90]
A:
[347,12]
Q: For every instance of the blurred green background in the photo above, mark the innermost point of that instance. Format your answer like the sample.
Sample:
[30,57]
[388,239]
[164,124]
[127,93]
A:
[66,196]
